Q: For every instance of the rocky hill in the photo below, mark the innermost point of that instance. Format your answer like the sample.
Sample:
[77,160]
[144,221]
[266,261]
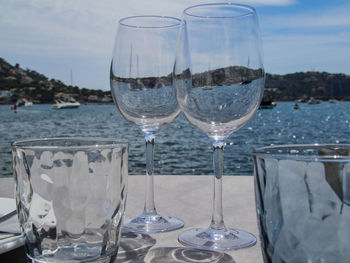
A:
[303,85]
[18,84]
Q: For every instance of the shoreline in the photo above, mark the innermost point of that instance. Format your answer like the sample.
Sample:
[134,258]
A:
[111,103]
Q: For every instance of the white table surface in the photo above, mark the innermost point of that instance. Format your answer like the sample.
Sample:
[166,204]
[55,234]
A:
[188,198]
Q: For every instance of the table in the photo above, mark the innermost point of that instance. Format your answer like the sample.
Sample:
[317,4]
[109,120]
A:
[189,198]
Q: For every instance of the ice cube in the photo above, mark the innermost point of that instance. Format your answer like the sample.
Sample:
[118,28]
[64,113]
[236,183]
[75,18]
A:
[344,232]
[332,169]
[346,183]
[323,200]
[289,249]
[273,210]
[318,237]
[293,191]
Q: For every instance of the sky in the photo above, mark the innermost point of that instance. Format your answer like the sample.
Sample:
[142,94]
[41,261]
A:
[72,40]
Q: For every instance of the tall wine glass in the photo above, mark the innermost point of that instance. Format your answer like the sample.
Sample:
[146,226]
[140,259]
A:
[141,85]
[219,82]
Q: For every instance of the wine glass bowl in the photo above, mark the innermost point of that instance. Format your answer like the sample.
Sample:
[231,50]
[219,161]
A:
[148,105]
[219,81]
[220,109]
[219,74]
[141,70]
[141,86]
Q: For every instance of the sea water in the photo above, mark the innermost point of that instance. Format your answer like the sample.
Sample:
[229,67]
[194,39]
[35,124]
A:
[181,148]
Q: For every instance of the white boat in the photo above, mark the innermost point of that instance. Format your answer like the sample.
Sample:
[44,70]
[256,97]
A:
[313,101]
[24,102]
[66,104]
[28,103]
[332,101]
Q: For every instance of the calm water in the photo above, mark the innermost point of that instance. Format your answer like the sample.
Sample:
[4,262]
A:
[180,148]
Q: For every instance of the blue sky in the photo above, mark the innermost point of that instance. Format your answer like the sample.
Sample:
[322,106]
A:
[55,37]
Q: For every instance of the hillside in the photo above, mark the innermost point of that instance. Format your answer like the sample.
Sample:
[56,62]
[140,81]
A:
[303,85]
[18,84]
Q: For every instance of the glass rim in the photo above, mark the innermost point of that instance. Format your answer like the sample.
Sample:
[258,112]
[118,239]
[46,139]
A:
[96,143]
[263,151]
[158,17]
[250,10]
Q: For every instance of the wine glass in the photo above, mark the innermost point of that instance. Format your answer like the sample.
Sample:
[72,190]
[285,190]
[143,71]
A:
[141,86]
[219,81]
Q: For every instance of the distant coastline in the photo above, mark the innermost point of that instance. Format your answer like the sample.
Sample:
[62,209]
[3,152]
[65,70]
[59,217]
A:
[18,85]
[306,85]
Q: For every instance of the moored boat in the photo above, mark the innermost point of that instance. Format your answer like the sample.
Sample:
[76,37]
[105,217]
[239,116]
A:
[66,104]
[267,104]
[312,100]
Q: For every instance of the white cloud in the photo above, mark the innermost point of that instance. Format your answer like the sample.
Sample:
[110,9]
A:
[79,30]
[81,33]
[85,27]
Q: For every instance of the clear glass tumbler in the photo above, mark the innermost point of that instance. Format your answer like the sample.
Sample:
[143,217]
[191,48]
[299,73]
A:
[70,195]
[303,202]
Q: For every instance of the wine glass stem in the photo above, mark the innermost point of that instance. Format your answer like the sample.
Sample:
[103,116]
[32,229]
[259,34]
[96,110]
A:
[149,208]
[217,221]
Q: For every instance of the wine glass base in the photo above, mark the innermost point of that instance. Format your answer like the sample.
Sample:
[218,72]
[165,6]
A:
[146,224]
[205,239]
